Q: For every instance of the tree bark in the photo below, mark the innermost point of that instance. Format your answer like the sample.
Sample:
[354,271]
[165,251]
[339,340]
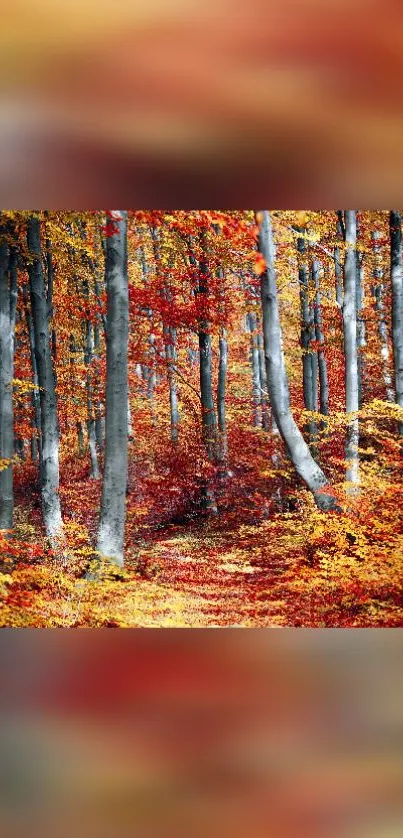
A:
[338,271]
[263,381]
[89,353]
[8,296]
[49,471]
[378,292]
[323,377]
[350,350]
[209,419]
[255,366]
[296,446]
[113,504]
[169,346]
[221,389]
[395,222]
[36,439]
[309,366]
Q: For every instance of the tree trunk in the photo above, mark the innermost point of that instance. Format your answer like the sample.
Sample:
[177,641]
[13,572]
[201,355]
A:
[323,378]
[89,353]
[169,342]
[49,472]
[221,388]
[350,350]
[255,366]
[113,504]
[263,381]
[338,271]
[209,419]
[397,304]
[309,366]
[382,323]
[296,446]
[170,355]
[49,294]
[36,439]
[8,296]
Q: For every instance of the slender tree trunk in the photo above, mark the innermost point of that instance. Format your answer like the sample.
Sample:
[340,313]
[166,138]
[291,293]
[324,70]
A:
[323,378]
[209,418]
[170,355]
[309,367]
[255,366]
[113,504]
[49,472]
[169,341]
[382,323]
[397,304]
[221,388]
[208,414]
[263,381]
[49,295]
[296,446]
[89,352]
[36,439]
[350,350]
[8,296]
[338,270]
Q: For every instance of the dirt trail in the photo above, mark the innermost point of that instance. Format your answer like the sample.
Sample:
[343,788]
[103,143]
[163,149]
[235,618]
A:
[212,585]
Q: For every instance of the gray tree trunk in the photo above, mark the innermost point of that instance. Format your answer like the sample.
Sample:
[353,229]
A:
[296,446]
[49,471]
[309,366]
[113,504]
[92,443]
[170,355]
[338,270]
[8,297]
[36,439]
[264,398]
[221,390]
[255,366]
[169,342]
[350,350]
[323,377]
[382,322]
[397,304]
[209,419]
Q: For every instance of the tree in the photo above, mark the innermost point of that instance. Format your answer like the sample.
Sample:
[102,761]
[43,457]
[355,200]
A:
[309,363]
[8,301]
[319,337]
[113,504]
[49,449]
[379,293]
[297,448]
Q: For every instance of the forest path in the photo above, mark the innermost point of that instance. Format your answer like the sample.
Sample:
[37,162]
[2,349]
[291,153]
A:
[212,574]
[204,578]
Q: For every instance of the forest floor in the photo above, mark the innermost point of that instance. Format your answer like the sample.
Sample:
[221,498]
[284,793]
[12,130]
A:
[212,573]
[268,559]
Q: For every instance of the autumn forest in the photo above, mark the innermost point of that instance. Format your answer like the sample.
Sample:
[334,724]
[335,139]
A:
[201,418]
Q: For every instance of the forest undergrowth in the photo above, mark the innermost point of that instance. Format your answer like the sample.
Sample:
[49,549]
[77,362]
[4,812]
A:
[269,558]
